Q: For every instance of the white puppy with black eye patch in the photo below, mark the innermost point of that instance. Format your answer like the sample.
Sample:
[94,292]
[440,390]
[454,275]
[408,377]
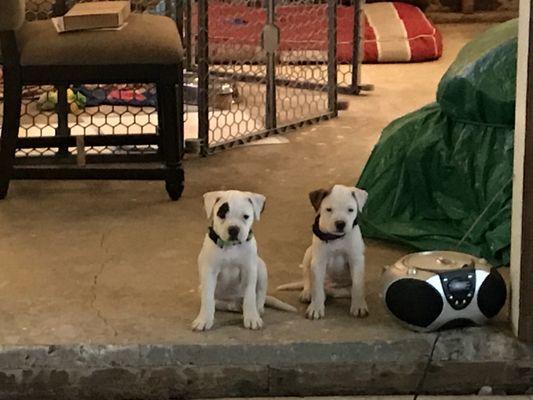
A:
[232,275]
[334,264]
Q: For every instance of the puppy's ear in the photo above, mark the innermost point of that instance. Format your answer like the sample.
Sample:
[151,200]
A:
[360,197]
[317,196]
[258,203]
[210,199]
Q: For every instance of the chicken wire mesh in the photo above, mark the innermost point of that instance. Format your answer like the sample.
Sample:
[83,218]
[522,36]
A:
[260,67]
[302,69]
[350,28]
[235,90]
[231,76]
[90,109]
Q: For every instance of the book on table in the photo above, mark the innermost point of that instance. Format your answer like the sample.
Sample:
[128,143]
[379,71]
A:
[94,15]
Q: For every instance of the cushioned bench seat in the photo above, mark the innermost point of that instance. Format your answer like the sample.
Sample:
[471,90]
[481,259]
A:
[40,44]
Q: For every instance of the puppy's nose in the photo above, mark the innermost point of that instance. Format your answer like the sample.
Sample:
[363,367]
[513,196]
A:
[233,232]
[340,225]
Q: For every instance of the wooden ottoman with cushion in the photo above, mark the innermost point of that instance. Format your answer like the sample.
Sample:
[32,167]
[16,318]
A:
[146,50]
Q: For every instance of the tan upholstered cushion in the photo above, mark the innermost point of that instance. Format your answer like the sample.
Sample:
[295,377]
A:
[146,39]
[11,14]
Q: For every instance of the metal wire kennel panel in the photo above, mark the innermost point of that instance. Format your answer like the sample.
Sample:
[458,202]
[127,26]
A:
[350,53]
[89,110]
[256,68]
[238,87]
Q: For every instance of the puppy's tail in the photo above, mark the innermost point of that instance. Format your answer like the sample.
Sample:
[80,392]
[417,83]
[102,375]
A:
[291,286]
[272,302]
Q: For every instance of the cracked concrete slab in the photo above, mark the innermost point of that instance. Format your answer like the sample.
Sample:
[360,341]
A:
[99,279]
[94,289]
[463,362]
[388,398]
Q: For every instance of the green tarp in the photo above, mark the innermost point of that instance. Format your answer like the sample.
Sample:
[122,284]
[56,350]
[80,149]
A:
[440,178]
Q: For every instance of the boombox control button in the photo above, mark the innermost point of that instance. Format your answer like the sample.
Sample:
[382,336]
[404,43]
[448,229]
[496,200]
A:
[459,287]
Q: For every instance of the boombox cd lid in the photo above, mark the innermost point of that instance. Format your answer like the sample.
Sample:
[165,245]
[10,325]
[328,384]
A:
[440,261]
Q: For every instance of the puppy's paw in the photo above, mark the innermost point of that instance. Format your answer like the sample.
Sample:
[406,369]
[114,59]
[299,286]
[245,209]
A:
[261,310]
[253,322]
[315,311]
[359,309]
[305,296]
[202,324]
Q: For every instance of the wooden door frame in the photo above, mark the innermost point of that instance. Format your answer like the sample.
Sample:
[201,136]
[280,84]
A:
[522,227]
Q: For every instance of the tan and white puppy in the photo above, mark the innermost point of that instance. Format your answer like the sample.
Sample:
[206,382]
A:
[232,275]
[334,264]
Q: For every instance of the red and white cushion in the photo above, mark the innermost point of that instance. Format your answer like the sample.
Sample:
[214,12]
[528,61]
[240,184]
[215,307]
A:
[393,32]
[396,32]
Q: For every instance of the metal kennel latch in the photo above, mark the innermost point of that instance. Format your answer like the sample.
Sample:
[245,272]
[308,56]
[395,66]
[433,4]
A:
[270,38]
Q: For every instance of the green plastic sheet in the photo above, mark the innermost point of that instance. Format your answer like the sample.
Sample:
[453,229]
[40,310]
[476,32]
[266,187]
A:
[440,178]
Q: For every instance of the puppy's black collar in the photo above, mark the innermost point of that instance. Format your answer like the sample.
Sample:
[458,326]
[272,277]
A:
[225,243]
[326,236]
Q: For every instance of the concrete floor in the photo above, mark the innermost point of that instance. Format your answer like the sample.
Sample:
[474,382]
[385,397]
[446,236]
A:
[115,262]
[390,398]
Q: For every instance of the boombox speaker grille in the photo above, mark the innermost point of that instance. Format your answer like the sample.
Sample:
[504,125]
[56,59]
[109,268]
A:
[492,294]
[414,301]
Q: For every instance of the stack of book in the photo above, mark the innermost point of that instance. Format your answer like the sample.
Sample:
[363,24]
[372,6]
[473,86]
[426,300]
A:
[94,15]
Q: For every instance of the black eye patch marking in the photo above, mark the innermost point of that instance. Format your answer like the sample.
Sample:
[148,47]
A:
[223,210]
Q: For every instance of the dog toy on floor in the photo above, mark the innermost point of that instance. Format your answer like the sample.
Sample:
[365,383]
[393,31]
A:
[48,101]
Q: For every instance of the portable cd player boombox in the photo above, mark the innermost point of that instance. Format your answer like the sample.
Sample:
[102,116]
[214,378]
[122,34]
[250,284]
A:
[442,289]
